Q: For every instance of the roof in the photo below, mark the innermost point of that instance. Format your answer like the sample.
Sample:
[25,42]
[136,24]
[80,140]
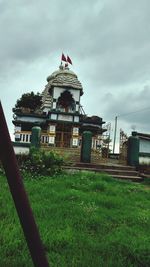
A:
[64,77]
[142,135]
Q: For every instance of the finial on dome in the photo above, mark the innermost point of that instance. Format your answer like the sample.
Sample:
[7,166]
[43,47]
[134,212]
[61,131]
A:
[66,66]
[61,67]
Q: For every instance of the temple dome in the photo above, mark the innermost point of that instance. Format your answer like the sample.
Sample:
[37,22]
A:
[61,71]
[64,77]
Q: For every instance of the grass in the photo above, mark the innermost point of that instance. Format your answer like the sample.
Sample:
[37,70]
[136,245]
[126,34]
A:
[85,220]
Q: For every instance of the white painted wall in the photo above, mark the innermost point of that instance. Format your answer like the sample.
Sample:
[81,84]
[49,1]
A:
[144,160]
[62,117]
[17,128]
[21,150]
[75,131]
[54,116]
[144,146]
[30,119]
[51,140]
[75,142]
[76,118]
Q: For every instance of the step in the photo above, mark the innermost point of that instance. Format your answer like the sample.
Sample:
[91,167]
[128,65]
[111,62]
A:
[105,166]
[132,178]
[126,175]
[109,171]
[120,172]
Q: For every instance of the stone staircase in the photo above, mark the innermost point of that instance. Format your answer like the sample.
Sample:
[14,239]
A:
[98,164]
[114,170]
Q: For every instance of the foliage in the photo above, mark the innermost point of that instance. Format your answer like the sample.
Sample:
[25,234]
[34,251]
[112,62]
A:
[147,181]
[40,162]
[29,100]
[85,219]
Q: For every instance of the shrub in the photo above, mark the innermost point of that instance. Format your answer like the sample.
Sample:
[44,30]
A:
[29,100]
[40,162]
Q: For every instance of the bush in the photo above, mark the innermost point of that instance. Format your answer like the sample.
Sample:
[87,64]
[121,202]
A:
[40,162]
[29,100]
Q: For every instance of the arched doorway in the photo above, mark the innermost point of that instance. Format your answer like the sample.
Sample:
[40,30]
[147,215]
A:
[63,135]
[66,102]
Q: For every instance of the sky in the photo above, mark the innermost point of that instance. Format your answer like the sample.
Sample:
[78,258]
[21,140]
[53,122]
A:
[108,42]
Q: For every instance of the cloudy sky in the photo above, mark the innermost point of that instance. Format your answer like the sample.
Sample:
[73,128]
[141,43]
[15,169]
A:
[107,40]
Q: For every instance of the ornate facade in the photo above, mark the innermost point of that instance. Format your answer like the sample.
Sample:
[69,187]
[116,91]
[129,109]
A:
[60,116]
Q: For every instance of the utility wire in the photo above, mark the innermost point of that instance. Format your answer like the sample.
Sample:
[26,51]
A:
[140,110]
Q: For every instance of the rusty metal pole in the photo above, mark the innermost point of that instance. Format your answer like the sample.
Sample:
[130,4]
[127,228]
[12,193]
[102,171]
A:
[19,195]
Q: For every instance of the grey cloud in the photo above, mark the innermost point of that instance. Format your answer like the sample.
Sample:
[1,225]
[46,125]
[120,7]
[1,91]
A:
[132,107]
[109,42]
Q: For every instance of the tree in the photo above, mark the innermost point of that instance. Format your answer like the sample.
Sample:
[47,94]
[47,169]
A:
[29,100]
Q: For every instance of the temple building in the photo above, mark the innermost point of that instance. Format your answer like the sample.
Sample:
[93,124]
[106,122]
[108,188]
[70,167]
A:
[60,116]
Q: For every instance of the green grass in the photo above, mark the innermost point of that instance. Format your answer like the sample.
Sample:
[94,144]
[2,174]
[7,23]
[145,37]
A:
[85,220]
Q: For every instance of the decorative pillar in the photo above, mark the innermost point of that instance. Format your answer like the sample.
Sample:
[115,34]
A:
[86,147]
[133,150]
[17,133]
[75,137]
[51,134]
[35,137]
[77,106]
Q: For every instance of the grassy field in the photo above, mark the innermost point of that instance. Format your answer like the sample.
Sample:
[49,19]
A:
[85,220]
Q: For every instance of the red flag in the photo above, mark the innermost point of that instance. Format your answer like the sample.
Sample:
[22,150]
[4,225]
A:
[63,58]
[69,60]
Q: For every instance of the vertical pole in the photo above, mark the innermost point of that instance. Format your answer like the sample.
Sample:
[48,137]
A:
[109,130]
[115,134]
[8,159]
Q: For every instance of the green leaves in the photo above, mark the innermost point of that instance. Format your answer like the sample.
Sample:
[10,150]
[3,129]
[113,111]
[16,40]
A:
[29,100]
[40,162]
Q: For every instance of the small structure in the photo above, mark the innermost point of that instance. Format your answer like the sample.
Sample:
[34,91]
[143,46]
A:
[144,148]
[60,116]
[139,149]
